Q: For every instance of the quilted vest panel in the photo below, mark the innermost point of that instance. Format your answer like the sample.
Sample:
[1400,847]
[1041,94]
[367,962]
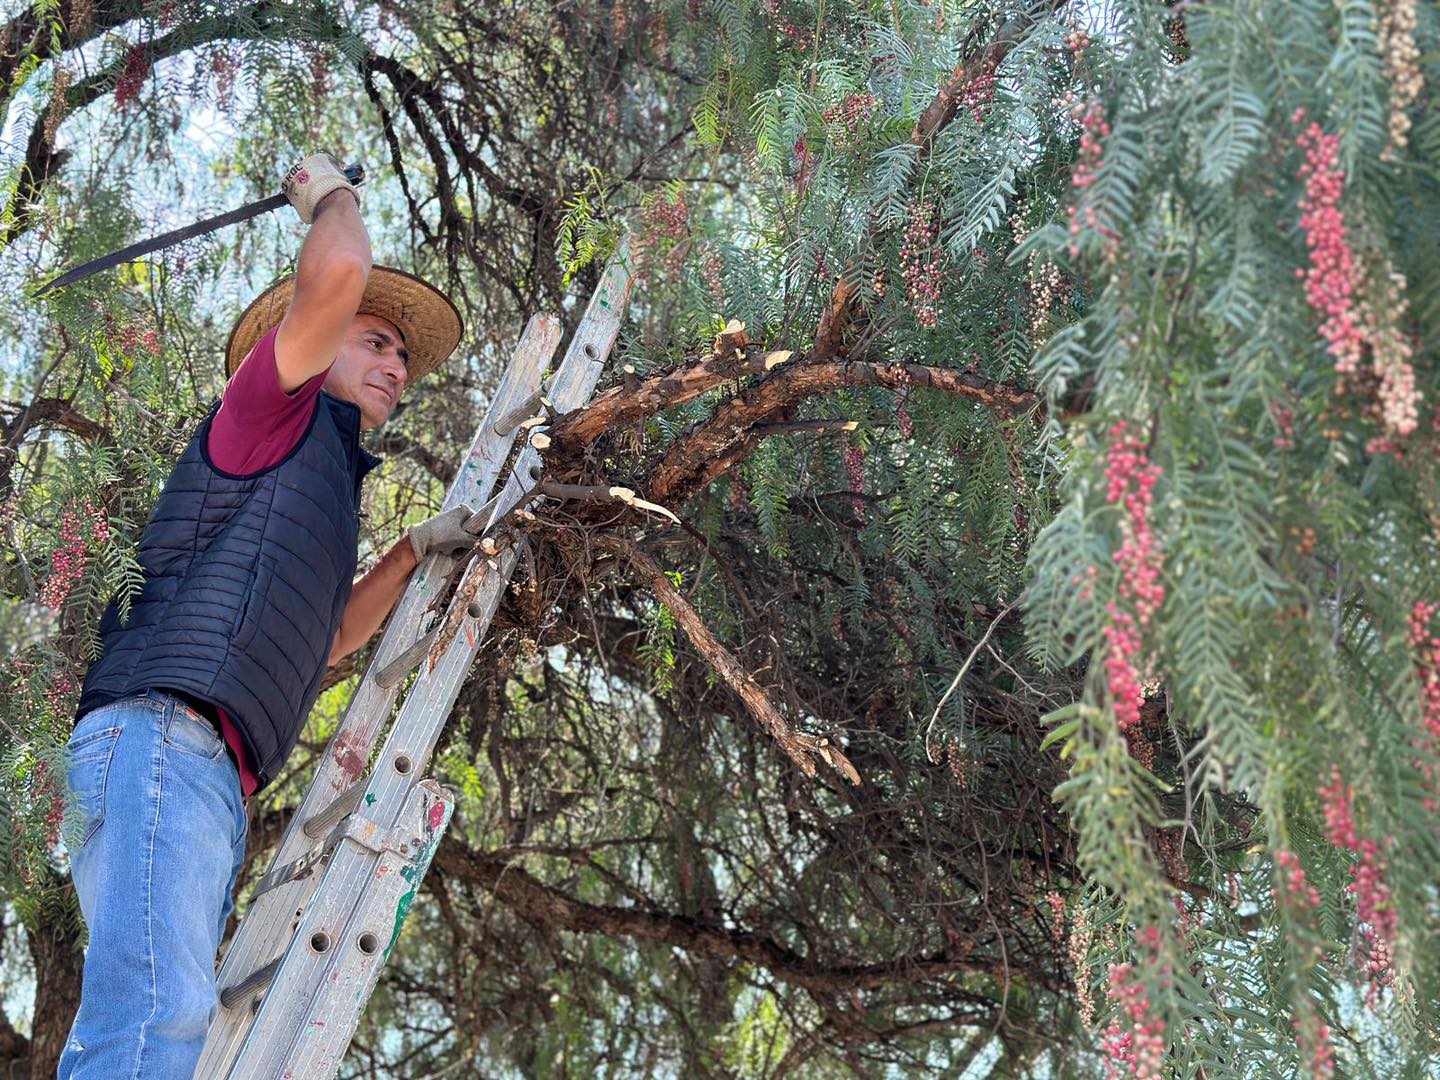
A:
[245,582]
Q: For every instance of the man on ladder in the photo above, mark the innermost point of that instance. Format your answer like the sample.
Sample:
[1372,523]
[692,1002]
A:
[199,696]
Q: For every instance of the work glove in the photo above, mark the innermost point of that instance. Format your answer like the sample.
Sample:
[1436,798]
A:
[444,534]
[311,180]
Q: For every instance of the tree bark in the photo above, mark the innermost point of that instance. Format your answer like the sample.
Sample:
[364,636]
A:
[55,950]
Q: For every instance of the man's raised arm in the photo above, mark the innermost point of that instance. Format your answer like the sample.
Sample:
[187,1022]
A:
[331,273]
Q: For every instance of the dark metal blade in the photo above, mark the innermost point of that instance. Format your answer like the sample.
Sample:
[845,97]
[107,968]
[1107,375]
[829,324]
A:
[354,173]
[144,247]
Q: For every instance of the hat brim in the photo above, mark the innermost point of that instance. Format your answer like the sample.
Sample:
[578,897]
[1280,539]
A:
[431,324]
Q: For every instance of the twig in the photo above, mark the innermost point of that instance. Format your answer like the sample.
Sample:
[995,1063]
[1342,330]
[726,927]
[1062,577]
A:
[955,683]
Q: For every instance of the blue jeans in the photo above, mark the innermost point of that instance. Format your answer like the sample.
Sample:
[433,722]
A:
[156,837]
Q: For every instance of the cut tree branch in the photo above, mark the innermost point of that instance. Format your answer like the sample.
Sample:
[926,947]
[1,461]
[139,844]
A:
[708,450]
[800,747]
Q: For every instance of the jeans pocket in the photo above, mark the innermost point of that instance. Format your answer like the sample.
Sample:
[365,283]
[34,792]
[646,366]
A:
[86,769]
[191,733]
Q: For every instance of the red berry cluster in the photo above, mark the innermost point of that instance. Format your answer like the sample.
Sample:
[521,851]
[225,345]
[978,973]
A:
[1093,130]
[907,424]
[319,74]
[57,696]
[1057,915]
[978,92]
[1284,418]
[1313,1039]
[1131,479]
[666,219]
[1299,893]
[855,466]
[44,789]
[1078,953]
[225,68]
[1077,41]
[845,120]
[1330,278]
[713,273]
[133,337]
[920,262]
[1426,644]
[795,37]
[132,78]
[67,562]
[1373,905]
[1134,1043]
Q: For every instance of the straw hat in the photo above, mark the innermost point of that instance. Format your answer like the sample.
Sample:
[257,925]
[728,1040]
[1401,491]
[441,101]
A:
[429,321]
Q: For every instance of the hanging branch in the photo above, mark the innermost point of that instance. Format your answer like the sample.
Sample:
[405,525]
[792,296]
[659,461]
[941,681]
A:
[801,748]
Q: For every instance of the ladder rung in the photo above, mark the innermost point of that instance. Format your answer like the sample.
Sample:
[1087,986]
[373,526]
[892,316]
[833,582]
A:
[256,980]
[320,824]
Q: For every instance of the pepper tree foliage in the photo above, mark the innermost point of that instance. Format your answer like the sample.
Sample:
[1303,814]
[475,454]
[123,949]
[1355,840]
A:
[1090,516]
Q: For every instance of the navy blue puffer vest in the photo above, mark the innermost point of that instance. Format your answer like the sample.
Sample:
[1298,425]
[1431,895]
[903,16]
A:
[246,579]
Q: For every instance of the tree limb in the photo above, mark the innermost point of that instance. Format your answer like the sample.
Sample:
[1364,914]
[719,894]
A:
[708,450]
[545,906]
[800,747]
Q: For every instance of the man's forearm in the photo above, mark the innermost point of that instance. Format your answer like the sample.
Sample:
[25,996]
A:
[336,234]
[372,599]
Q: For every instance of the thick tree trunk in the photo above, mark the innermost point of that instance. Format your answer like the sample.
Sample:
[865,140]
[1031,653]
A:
[55,950]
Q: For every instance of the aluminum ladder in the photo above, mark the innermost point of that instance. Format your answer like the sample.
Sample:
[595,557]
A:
[326,915]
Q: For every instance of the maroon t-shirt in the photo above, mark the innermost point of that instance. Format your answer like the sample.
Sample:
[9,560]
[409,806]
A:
[257,425]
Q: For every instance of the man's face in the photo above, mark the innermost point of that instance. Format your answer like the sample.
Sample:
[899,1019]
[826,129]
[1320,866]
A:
[369,369]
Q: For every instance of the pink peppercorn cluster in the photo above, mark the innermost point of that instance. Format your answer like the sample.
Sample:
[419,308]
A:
[1057,915]
[224,67]
[1391,352]
[1395,40]
[319,72]
[1077,951]
[1330,277]
[1374,907]
[1426,644]
[907,424]
[845,120]
[1077,41]
[1284,418]
[78,528]
[920,262]
[1134,1042]
[1130,480]
[133,337]
[132,77]
[978,91]
[1093,130]
[44,789]
[59,107]
[855,466]
[713,274]
[667,219]
[663,221]
[1299,894]
[1313,1039]
[957,756]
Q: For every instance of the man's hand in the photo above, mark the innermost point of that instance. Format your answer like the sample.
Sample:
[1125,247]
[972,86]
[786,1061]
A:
[311,180]
[444,534]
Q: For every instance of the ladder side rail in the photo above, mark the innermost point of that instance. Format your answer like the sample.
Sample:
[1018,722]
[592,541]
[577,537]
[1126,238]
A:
[265,926]
[291,1001]
[348,958]
[427,707]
